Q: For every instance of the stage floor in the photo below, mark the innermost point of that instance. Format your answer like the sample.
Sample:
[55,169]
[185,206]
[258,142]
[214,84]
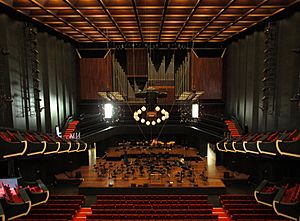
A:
[156,184]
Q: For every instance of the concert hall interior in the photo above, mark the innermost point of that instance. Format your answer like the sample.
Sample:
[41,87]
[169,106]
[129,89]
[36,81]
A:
[149,110]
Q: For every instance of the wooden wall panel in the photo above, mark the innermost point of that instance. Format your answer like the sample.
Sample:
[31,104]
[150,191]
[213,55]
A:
[95,76]
[206,75]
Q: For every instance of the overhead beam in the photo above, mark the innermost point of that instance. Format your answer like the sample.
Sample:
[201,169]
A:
[188,19]
[111,18]
[213,19]
[60,19]
[163,19]
[85,18]
[137,19]
[239,19]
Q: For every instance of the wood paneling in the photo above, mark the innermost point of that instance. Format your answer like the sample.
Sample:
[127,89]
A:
[206,75]
[95,76]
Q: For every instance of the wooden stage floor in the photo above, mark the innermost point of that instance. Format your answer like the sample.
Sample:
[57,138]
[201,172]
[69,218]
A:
[95,183]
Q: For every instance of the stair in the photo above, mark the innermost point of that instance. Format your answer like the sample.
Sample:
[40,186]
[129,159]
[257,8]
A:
[81,214]
[70,129]
[222,216]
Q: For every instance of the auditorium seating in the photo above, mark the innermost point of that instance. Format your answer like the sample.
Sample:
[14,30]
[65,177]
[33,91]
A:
[288,144]
[287,201]
[277,143]
[14,201]
[266,192]
[16,143]
[36,145]
[70,129]
[58,207]
[12,144]
[146,207]
[234,132]
[245,207]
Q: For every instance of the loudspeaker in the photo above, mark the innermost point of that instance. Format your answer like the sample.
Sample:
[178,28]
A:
[146,185]
[226,175]
[133,185]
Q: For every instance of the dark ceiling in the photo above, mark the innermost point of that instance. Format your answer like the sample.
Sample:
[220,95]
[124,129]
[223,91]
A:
[149,20]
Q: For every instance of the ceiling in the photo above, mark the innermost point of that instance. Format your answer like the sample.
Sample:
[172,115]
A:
[149,20]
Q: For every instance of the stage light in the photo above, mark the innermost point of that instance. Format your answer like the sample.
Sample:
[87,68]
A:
[143,121]
[137,118]
[163,118]
[108,110]
[157,108]
[158,120]
[153,123]
[135,114]
[148,123]
[195,110]
[163,111]
[144,108]
[139,111]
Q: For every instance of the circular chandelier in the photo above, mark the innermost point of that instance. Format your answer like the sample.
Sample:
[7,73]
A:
[150,117]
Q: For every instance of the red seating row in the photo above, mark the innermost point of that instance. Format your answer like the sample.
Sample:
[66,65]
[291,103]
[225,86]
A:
[69,197]
[154,217]
[245,207]
[284,143]
[152,211]
[58,207]
[291,194]
[152,201]
[236,197]
[152,197]
[153,206]
[256,217]
[234,132]
[19,143]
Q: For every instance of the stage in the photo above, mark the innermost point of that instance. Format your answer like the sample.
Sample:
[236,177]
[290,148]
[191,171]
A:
[202,177]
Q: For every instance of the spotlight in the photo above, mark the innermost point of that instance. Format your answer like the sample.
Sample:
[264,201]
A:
[108,110]
[139,111]
[163,118]
[144,108]
[153,123]
[135,114]
[143,121]
[158,120]
[157,108]
[195,110]
[163,111]
[137,118]
[148,123]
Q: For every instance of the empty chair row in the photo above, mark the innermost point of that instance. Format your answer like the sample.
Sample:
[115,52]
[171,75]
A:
[28,143]
[153,206]
[153,197]
[283,198]
[285,143]
[154,217]
[68,197]
[236,197]
[152,211]
[244,207]
[152,201]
